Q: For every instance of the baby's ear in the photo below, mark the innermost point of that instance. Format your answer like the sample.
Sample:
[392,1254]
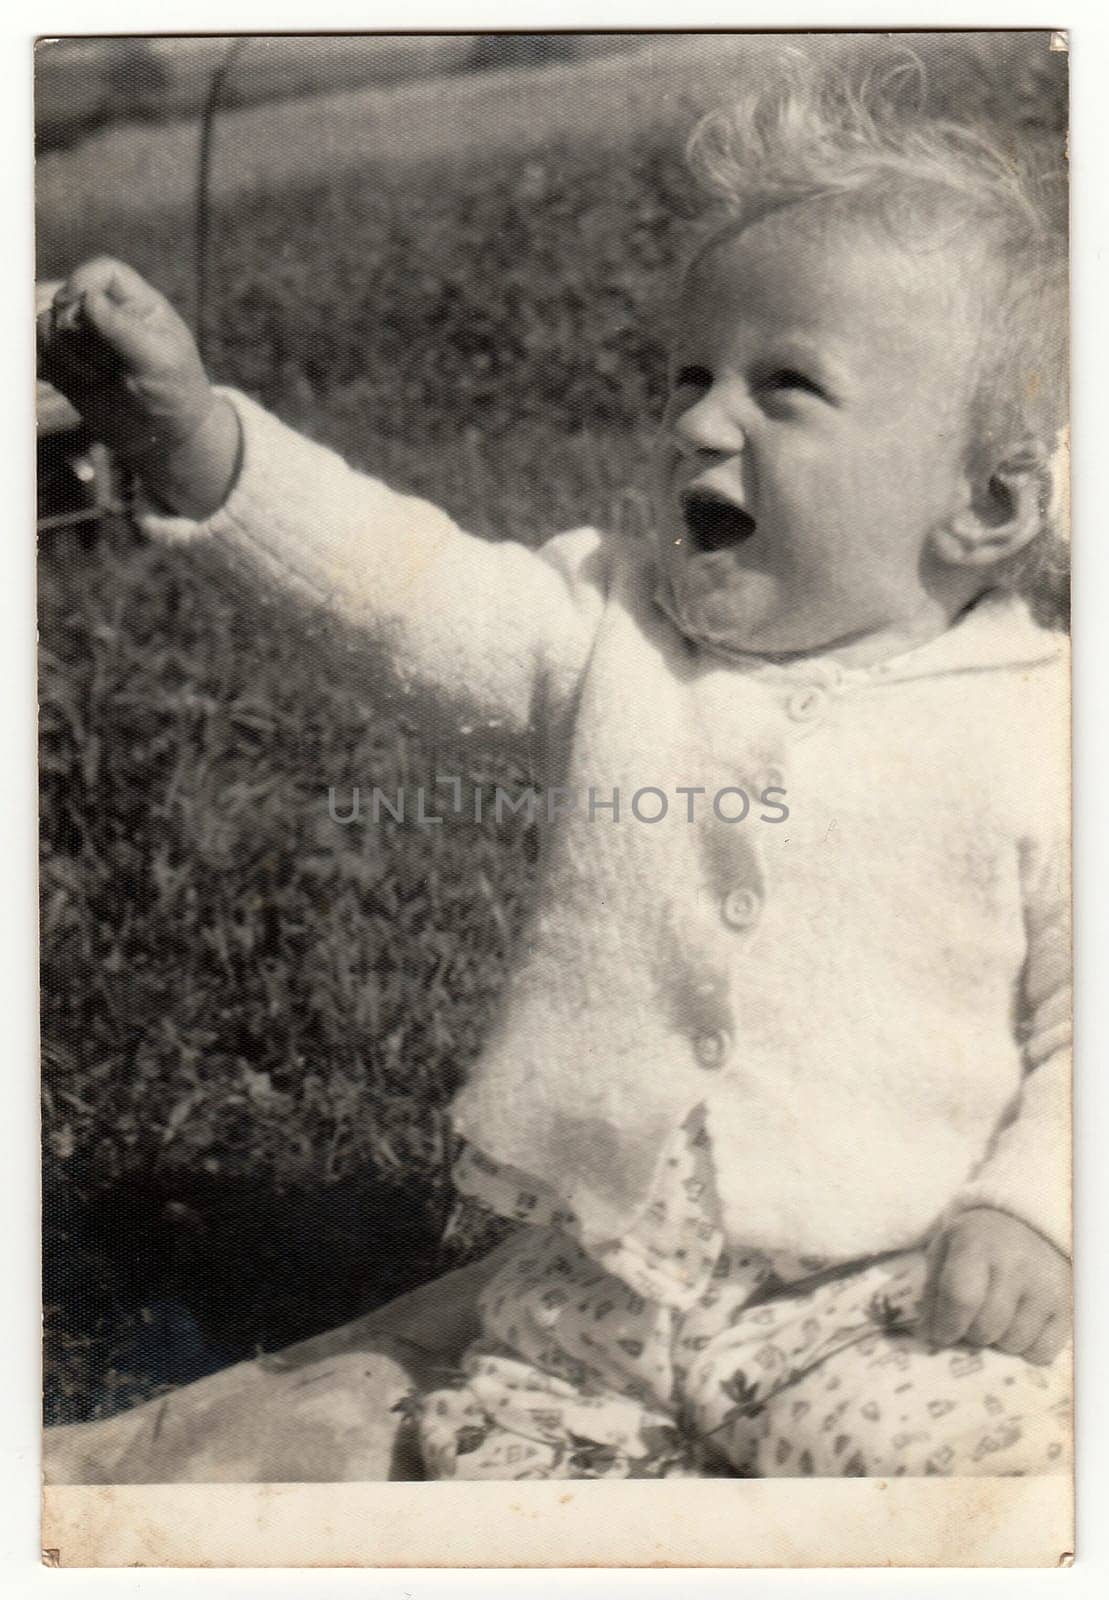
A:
[1009,503]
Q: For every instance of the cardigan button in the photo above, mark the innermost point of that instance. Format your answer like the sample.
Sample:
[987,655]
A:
[711,1049]
[741,908]
[805,704]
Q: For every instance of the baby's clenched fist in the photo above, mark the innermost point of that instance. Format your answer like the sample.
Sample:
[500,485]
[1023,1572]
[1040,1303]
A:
[122,355]
[124,358]
[992,1280]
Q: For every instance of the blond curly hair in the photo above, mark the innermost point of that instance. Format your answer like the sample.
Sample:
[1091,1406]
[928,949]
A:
[861,129]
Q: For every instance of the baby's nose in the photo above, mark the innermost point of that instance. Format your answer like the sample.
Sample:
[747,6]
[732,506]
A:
[710,425]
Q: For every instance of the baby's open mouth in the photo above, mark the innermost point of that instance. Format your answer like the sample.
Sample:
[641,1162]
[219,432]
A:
[713,522]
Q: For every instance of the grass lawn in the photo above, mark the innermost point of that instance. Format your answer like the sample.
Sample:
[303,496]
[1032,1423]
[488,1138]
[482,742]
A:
[253,1017]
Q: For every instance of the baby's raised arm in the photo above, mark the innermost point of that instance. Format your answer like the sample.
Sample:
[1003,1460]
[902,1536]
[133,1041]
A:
[493,635]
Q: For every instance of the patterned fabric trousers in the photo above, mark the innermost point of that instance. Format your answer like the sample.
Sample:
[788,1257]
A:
[577,1376]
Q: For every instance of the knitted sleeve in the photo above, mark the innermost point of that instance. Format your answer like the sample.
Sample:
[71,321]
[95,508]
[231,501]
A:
[471,636]
[1027,1170]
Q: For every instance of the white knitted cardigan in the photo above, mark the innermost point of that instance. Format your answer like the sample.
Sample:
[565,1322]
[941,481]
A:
[870,998]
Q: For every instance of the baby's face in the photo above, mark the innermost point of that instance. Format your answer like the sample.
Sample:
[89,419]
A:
[816,432]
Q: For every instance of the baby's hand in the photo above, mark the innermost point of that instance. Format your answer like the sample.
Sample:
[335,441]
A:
[993,1280]
[120,353]
[126,361]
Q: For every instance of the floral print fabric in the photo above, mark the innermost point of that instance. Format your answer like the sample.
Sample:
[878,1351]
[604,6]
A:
[578,1375]
[671,1352]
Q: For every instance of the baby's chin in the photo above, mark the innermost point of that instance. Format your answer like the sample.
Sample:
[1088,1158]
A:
[721,605]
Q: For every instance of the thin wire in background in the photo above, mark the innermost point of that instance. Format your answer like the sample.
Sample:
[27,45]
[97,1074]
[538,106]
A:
[203,225]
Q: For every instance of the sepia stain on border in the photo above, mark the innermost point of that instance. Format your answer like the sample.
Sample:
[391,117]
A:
[924,1523]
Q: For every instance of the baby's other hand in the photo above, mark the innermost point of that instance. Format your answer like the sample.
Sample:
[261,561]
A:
[993,1280]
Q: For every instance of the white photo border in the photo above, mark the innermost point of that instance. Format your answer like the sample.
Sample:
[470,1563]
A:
[1090,139]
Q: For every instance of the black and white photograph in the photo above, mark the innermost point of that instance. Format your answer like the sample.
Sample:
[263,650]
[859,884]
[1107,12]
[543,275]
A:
[554,779]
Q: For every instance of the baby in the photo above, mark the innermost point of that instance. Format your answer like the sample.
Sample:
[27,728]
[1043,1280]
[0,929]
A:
[783,1109]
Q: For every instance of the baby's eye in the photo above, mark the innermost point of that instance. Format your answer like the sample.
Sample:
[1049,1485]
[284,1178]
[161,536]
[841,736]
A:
[692,378]
[789,380]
